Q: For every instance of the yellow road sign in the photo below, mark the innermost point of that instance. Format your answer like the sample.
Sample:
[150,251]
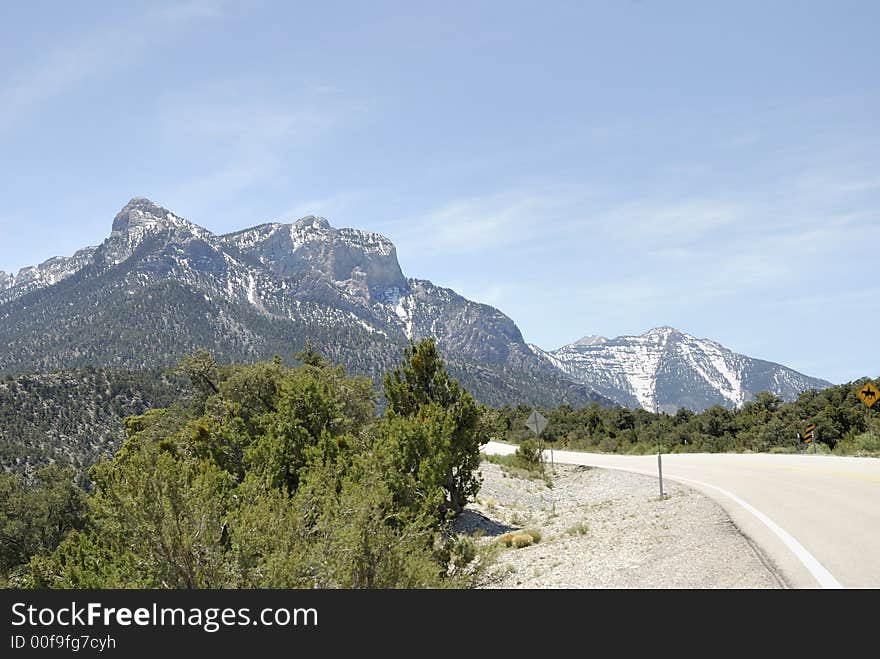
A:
[869,394]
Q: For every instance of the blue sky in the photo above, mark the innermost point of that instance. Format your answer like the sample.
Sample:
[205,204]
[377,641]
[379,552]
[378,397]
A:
[587,167]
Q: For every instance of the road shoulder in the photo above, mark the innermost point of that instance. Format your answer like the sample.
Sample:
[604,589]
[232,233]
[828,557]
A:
[609,529]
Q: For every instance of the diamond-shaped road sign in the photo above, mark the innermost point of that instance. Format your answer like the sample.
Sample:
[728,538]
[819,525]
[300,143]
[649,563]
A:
[869,394]
[536,422]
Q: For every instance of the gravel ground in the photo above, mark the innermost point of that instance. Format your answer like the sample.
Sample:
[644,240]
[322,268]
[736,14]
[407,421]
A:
[609,529]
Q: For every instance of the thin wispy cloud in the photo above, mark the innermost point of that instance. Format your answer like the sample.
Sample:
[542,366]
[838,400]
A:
[740,141]
[59,71]
[197,192]
[498,294]
[255,124]
[836,184]
[252,139]
[7,227]
[658,221]
[486,223]
[65,66]
[328,207]
[191,9]
[682,252]
[563,215]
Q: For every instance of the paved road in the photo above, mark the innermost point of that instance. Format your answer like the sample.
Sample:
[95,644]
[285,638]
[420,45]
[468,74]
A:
[816,517]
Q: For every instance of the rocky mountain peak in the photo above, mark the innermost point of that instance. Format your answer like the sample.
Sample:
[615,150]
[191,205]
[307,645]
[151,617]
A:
[360,262]
[6,280]
[664,331]
[141,218]
[590,340]
[142,214]
[312,222]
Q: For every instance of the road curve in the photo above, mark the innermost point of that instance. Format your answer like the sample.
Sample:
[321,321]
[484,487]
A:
[817,517]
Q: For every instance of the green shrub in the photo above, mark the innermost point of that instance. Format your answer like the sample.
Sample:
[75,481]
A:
[516,466]
[270,477]
[502,460]
[529,454]
[579,529]
[866,443]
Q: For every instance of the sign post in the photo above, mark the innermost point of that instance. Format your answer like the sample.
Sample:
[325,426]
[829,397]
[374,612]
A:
[808,436]
[536,423]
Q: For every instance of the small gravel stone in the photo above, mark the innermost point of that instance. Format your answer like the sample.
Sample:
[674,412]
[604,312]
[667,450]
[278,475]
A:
[610,529]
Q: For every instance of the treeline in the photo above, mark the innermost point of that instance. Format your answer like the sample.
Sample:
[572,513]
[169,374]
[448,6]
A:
[264,476]
[766,424]
[73,417]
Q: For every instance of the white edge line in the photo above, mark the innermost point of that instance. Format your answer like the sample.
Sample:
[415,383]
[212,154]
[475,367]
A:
[819,572]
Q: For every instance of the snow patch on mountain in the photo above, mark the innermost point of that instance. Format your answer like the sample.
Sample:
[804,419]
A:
[367,241]
[717,366]
[403,309]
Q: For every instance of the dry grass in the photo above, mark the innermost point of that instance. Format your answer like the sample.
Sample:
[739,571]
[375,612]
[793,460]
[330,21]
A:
[520,539]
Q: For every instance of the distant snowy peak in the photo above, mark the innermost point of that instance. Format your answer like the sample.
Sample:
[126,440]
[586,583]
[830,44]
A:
[666,368]
[6,281]
[590,341]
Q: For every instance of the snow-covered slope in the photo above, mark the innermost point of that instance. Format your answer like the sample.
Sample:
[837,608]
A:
[667,369]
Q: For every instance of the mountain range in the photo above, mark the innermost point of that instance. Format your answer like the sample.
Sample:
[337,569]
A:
[159,287]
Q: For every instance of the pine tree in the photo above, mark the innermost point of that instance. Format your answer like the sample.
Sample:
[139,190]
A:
[448,424]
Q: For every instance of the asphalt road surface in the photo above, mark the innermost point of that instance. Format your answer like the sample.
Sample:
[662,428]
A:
[816,517]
